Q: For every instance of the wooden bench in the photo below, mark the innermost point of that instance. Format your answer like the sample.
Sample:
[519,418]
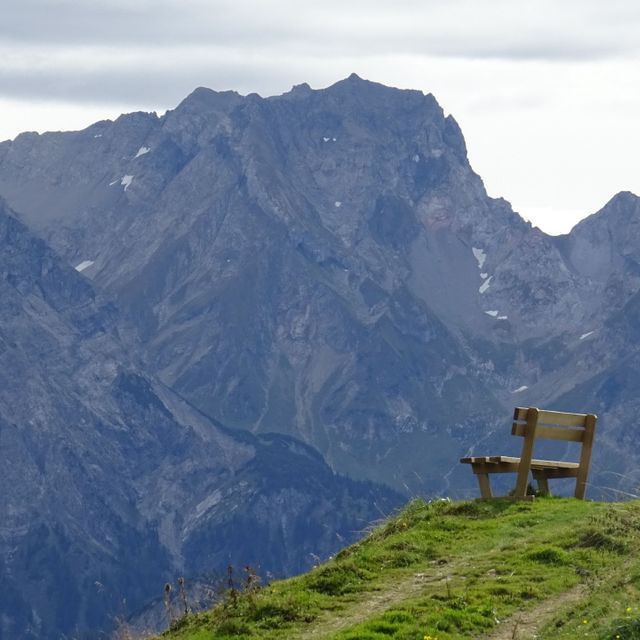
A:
[533,424]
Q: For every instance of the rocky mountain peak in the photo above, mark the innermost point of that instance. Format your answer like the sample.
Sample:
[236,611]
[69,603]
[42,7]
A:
[205,98]
[601,243]
[623,208]
[301,90]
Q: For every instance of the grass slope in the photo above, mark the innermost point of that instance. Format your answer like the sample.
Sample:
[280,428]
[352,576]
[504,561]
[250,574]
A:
[553,568]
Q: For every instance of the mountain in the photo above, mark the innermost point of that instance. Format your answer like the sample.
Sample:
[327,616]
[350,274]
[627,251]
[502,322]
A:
[323,270]
[112,484]
[549,569]
[267,251]
[326,264]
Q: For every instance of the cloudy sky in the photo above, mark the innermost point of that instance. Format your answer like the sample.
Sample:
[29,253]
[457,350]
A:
[547,92]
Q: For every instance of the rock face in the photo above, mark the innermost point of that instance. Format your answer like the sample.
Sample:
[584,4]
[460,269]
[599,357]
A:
[111,484]
[288,262]
[326,265]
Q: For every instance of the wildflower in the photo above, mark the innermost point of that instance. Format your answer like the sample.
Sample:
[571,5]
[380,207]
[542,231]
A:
[629,609]
[585,621]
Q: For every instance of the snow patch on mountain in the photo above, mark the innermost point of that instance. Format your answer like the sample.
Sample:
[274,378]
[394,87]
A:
[479,255]
[208,503]
[85,264]
[485,285]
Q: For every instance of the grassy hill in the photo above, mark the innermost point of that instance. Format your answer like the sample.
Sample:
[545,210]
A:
[553,568]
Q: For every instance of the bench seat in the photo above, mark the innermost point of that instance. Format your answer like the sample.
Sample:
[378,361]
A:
[539,464]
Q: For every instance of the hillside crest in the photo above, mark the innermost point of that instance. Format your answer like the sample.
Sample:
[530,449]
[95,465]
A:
[554,568]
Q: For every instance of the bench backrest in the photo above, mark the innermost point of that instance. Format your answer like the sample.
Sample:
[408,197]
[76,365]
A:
[532,423]
[553,425]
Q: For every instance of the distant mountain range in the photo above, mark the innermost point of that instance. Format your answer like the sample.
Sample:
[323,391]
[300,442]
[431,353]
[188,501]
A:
[323,265]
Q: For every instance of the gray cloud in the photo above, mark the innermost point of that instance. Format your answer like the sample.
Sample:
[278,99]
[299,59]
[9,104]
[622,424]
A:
[62,49]
[536,29]
[154,87]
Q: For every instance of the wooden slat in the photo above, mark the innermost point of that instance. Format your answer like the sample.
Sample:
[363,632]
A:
[488,459]
[495,467]
[564,418]
[520,413]
[554,472]
[550,433]
[493,460]
[554,464]
[561,418]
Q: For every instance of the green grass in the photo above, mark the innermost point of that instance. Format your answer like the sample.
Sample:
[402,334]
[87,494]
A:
[456,570]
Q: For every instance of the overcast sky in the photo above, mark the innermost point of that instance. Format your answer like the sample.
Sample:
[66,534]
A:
[547,92]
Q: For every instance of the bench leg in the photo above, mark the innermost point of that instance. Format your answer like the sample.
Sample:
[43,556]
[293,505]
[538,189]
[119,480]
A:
[522,483]
[485,485]
[543,484]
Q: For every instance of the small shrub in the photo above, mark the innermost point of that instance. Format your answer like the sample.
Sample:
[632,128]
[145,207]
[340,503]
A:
[499,591]
[386,628]
[398,617]
[624,630]
[232,628]
[549,555]
[363,635]
[468,509]
[401,559]
[529,594]
[469,619]
[346,552]
[336,579]
[597,540]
